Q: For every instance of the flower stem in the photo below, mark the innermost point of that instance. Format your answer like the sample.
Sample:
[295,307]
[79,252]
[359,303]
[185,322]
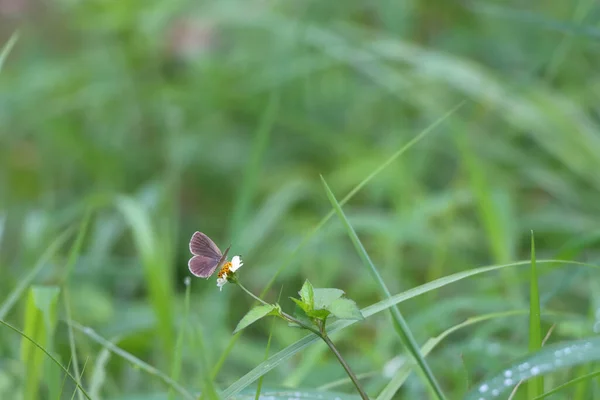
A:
[237,282]
[320,332]
[353,377]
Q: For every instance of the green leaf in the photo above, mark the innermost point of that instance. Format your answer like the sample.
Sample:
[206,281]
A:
[345,309]
[319,314]
[307,295]
[324,297]
[254,315]
[305,307]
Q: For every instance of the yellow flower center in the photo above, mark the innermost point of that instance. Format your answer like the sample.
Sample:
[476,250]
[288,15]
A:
[224,270]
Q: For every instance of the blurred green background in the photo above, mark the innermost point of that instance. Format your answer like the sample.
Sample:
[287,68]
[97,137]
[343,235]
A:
[155,119]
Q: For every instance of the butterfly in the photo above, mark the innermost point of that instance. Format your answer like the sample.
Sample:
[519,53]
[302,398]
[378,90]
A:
[206,256]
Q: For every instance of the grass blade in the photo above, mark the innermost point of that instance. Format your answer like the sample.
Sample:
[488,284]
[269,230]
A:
[156,268]
[549,359]
[576,381]
[73,255]
[400,377]
[24,283]
[373,309]
[54,360]
[402,328]
[252,171]
[8,46]
[89,332]
[176,367]
[40,321]
[535,386]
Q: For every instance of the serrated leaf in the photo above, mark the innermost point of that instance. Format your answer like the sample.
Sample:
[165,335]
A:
[319,314]
[307,295]
[254,315]
[324,297]
[305,307]
[345,309]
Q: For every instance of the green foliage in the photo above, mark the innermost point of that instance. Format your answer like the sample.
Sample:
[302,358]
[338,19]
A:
[447,130]
[316,304]
[40,323]
[254,315]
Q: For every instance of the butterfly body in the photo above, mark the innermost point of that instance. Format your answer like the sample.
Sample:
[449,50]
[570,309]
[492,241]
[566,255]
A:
[206,256]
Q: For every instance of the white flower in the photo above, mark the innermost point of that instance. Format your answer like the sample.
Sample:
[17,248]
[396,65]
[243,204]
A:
[221,282]
[227,270]
[236,263]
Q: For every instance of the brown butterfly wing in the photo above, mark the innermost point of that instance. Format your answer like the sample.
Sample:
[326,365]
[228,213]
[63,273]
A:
[201,245]
[202,266]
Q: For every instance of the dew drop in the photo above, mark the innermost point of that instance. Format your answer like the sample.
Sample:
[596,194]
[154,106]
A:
[483,388]
[567,350]
[508,373]
[88,331]
[557,353]
[187,281]
[534,371]
[495,392]
[508,382]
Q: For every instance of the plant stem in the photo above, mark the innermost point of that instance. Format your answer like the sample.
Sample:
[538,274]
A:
[237,282]
[320,332]
[353,377]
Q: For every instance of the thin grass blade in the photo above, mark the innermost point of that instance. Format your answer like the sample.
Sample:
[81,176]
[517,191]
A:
[54,360]
[177,359]
[535,387]
[402,328]
[7,48]
[24,283]
[549,359]
[90,333]
[400,377]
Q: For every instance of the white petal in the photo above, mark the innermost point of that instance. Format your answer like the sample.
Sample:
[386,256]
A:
[236,263]
[221,282]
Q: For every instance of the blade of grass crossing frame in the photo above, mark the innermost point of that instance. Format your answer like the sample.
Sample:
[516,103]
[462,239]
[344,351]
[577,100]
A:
[400,324]
[90,333]
[576,381]
[535,387]
[73,255]
[330,214]
[176,367]
[402,374]
[369,311]
[50,356]
[6,49]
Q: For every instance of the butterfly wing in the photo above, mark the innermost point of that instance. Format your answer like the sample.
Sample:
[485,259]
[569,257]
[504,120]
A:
[201,245]
[202,266]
